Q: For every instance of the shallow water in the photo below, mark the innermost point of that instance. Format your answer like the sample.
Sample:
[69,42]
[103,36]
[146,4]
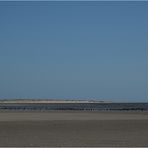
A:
[77,106]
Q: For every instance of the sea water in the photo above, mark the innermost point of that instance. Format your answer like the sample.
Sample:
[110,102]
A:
[76,106]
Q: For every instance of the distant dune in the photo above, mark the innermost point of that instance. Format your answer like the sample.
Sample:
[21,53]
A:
[50,101]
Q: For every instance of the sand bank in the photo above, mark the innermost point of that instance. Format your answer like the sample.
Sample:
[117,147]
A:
[71,115]
[70,129]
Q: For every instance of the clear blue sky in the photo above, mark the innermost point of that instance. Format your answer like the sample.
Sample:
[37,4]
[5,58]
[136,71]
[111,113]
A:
[74,50]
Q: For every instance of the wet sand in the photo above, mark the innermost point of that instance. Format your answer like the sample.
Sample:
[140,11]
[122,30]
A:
[73,128]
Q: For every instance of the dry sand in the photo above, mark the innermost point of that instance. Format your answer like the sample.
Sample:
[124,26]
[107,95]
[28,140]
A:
[75,128]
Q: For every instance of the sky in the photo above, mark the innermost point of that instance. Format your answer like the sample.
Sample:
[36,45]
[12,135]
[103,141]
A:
[74,50]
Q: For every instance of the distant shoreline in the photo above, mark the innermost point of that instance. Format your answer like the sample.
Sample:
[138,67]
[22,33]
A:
[50,101]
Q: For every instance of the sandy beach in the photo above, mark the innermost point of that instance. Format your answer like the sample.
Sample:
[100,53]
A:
[74,128]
